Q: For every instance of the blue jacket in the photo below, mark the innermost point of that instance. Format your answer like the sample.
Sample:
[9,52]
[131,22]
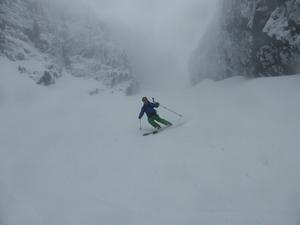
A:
[149,109]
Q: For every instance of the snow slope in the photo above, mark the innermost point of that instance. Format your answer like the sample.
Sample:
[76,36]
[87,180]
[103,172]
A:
[70,158]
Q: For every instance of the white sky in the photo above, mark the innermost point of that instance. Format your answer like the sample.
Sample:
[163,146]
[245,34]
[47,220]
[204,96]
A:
[165,32]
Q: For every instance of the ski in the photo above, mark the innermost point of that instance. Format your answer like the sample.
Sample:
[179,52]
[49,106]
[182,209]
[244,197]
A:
[152,132]
[164,128]
[155,131]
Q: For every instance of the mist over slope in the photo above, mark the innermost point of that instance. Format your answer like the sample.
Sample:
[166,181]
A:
[72,153]
[131,43]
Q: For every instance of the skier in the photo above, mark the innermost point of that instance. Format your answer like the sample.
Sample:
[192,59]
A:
[151,113]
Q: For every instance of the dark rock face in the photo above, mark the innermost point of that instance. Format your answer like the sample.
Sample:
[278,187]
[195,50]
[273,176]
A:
[44,40]
[46,79]
[253,38]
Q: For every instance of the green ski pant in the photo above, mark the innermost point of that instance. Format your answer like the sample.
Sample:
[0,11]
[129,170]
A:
[155,118]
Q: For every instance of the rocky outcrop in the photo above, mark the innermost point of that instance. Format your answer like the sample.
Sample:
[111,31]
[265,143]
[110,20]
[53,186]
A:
[44,40]
[251,38]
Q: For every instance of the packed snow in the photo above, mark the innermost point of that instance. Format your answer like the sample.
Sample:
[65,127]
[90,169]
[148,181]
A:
[72,158]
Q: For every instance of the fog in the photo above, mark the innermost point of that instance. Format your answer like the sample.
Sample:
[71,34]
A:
[158,35]
[67,157]
[162,34]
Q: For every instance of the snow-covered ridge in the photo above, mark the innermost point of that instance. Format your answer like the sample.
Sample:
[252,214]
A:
[55,39]
[250,38]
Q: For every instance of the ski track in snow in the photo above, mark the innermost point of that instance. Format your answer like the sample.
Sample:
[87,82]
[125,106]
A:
[70,158]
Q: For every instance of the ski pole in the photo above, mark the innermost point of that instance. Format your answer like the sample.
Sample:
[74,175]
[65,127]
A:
[140,124]
[171,110]
[168,109]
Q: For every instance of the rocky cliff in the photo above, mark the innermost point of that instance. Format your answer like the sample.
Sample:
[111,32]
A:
[45,39]
[250,38]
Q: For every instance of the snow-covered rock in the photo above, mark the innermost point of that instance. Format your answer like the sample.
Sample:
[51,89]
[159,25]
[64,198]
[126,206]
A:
[250,38]
[45,39]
